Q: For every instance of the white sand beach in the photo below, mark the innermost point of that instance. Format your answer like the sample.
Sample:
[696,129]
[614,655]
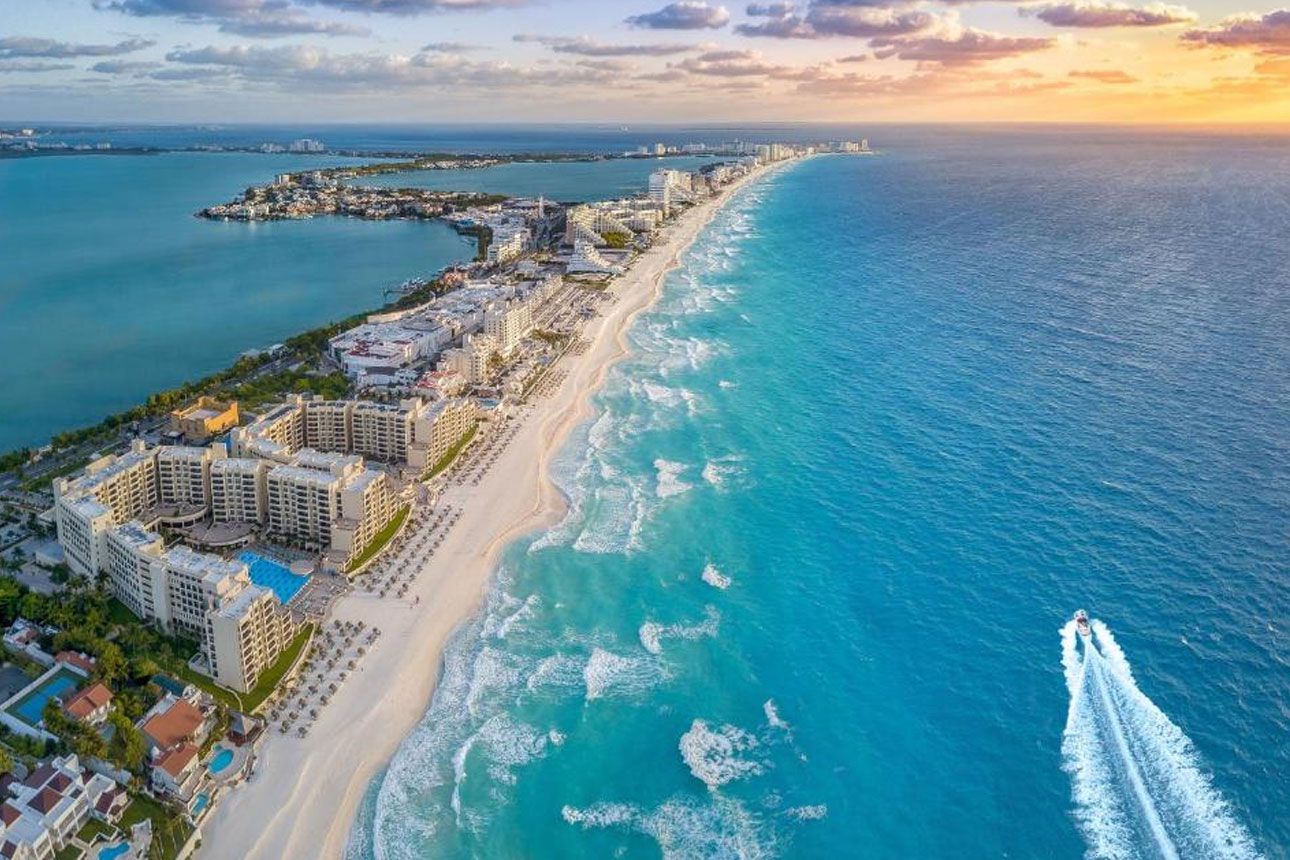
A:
[302,801]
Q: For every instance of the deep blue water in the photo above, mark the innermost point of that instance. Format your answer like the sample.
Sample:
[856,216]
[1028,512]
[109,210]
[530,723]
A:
[910,411]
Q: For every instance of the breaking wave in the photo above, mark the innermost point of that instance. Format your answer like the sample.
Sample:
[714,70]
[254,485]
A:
[652,633]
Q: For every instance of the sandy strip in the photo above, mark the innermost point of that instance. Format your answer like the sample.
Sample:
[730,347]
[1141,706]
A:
[304,797]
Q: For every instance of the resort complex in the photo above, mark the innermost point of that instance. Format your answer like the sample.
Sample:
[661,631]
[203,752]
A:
[233,554]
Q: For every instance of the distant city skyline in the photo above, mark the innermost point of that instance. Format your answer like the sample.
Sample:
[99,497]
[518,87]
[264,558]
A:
[642,61]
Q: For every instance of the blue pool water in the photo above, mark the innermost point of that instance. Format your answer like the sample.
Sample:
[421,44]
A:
[221,760]
[32,708]
[111,852]
[203,801]
[893,420]
[267,572]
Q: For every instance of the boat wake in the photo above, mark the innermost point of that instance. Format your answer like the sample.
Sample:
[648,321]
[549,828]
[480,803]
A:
[1138,786]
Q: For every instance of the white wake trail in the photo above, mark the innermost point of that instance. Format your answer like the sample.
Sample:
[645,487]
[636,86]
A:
[1137,781]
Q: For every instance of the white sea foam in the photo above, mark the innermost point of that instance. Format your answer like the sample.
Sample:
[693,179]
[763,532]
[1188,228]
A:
[719,472]
[557,670]
[717,756]
[494,672]
[669,481]
[773,719]
[600,815]
[652,633]
[609,674]
[614,518]
[684,828]
[1137,781]
[651,636]
[510,744]
[714,577]
[814,812]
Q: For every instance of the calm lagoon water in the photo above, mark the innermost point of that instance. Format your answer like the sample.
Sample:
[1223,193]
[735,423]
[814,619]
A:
[571,181]
[111,289]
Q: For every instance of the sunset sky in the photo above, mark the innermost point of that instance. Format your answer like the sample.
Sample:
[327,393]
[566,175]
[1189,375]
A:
[636,61]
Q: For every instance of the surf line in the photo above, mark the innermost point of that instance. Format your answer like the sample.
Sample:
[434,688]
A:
[1148,806]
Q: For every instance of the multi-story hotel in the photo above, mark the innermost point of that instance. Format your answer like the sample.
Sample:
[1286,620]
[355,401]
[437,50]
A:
[183,483]
[304,501]
[239,492]
[439,427]
[329,501]
[507,323]
[327,424]
[112,490]
[390,433]
[240,627]
[473,359]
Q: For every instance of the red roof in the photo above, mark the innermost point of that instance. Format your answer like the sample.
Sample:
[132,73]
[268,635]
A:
[88,701]
[175,725]
[45,800]
[175,760]
[84,662]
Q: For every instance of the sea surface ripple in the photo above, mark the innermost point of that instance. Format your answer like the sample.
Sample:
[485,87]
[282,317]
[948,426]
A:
[893,420]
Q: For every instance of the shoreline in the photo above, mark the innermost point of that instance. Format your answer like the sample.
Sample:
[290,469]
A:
[303,800]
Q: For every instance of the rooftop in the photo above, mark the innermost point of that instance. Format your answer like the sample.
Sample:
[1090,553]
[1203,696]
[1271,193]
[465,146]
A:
[174,725]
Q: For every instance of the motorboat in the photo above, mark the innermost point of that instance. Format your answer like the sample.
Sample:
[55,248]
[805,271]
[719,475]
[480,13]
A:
[1081,623]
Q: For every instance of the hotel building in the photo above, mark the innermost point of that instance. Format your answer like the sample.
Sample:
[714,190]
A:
[239,490]
[507,323]
[398,434]
[240,627]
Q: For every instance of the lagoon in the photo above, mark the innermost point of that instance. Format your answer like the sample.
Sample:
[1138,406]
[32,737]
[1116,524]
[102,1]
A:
[111,289]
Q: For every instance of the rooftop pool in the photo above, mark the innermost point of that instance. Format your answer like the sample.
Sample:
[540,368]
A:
[272,574]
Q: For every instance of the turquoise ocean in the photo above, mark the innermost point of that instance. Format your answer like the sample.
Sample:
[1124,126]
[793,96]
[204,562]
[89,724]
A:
[893,420]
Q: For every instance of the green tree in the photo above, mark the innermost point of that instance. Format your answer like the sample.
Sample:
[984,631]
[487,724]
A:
[128,747]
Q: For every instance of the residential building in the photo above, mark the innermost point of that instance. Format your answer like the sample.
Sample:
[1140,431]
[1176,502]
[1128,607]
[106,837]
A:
[40,814]
[90,705]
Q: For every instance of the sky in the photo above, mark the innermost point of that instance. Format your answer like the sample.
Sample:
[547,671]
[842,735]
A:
[1214,62]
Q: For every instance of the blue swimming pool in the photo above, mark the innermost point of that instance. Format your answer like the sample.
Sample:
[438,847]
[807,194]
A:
[111,852]
[32,706]
[221,760]
[271,574]
[203,801]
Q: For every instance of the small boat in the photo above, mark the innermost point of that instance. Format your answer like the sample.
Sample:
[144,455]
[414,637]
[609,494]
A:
[1081,623]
